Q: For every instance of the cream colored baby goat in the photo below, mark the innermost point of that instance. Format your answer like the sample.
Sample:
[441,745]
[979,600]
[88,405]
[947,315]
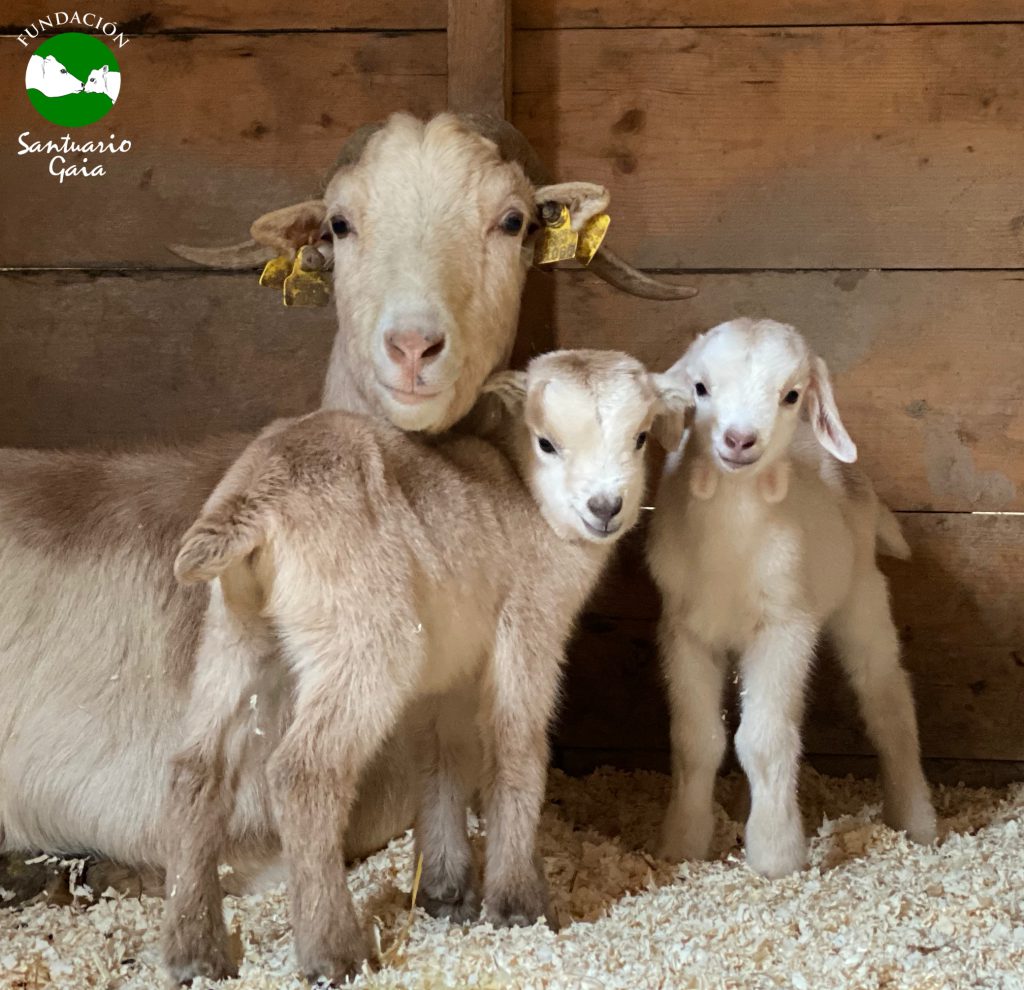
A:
[359,569]
[765,536]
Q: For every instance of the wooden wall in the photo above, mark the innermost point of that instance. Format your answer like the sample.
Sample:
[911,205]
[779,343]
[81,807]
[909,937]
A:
[853,168]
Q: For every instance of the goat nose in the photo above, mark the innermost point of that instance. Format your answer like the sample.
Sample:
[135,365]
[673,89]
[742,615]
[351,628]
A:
[735,440]
[414,347]
[604,508]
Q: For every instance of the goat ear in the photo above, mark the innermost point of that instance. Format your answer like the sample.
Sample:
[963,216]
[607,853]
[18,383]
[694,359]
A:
[215,542]
[674,402]
[235,519]
[824,415]
[291,227]
[680,375]
[584,199]
[509,387]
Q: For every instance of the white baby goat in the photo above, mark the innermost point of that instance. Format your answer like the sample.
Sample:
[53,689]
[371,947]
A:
[361,569]
[764,536]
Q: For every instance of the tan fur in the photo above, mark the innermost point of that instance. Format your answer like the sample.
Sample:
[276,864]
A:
[96,640]
[401,577]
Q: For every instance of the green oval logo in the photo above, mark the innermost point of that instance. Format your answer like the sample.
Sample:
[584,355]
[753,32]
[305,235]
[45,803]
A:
[73,79]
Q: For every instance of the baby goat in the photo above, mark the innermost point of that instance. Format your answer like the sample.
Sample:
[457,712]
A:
[764,536]
[361,570]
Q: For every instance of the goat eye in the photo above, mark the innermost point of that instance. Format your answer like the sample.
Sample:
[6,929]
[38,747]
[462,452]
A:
[546,445]
[512,222]
[701,389]
[340,227]
[792,397]
[641,439]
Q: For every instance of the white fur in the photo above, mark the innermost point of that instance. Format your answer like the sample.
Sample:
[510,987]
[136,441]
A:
[104,81]
[50,77]
[757,560]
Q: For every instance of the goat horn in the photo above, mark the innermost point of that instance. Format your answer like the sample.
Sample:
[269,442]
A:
[352,150]
[609,266]
[513,146]
[248,254]
[251,254]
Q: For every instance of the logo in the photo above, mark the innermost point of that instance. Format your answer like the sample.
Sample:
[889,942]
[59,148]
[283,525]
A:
[73,79]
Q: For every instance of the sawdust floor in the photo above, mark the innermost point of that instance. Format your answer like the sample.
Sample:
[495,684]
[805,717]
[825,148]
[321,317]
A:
[872,911]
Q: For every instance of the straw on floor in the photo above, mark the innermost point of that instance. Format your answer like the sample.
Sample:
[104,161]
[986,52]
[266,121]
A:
[871,912]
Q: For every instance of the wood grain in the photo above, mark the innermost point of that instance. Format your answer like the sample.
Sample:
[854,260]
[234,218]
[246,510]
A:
[137,17]
[145,17]
[927,364]
[848,147]
[223,129]
[923,362]
[480,57]
[957,604]
[108,360]
[820,148]
[752,13]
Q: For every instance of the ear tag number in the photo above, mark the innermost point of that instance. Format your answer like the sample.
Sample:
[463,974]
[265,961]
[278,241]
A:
[276,271]
[591,237]
[307,285]
[558,240]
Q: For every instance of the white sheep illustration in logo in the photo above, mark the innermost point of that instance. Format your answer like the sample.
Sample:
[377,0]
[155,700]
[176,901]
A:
[104,81]
[51,78]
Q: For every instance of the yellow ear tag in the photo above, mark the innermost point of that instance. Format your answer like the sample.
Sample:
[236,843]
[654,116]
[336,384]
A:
[591,237]
[557,241]
[307,285]
[276,271]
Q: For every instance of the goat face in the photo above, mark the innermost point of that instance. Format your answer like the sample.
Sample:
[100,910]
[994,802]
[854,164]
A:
[429,235]
[428,226]
[587,416]
[750,381]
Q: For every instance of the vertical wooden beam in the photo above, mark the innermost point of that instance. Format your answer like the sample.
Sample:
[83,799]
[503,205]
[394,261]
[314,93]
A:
[479,56]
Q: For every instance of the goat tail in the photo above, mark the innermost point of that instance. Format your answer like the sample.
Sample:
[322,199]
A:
[889,537]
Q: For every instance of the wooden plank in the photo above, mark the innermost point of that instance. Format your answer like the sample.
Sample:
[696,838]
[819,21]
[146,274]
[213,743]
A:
[145,17]
[101,360]
[223,129]
[480,56]
[753,13]
[789,148]
[837,157]
[927,364]
[936,430]
[958,607]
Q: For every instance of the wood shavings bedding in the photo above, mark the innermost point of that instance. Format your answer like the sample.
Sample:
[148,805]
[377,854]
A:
[871,912]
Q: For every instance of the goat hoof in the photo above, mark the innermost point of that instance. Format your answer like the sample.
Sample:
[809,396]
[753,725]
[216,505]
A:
[686,844]
[920,824]
[458,906]
[778,859]
[334,967]
[520,910]
[213,963]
